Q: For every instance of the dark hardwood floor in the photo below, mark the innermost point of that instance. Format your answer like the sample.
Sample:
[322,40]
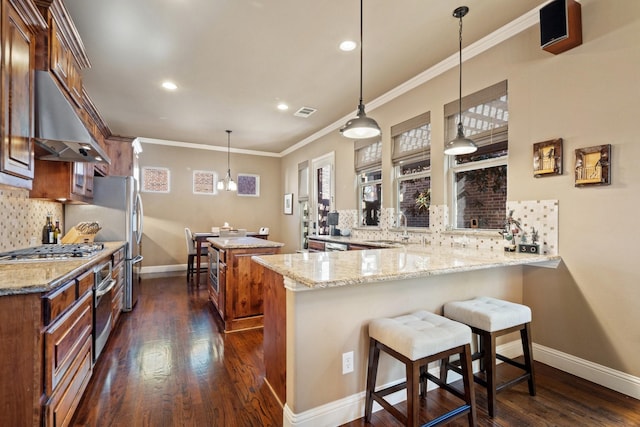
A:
[168,364]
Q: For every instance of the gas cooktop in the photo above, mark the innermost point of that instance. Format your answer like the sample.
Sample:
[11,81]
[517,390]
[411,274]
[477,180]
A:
[53,252]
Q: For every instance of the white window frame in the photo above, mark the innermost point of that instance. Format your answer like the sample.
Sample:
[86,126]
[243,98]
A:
[453,169]
[398,158]
[471,101]
[361,186]
[399,178]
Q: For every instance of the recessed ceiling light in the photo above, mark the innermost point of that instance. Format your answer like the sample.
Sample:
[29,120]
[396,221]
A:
[348,45]
[169,85]
[282,106]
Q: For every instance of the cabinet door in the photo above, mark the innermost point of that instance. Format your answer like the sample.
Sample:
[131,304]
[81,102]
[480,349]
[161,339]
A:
[17,97]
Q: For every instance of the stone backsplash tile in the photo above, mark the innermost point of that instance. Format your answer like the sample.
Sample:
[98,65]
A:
[22,218]
[539,214]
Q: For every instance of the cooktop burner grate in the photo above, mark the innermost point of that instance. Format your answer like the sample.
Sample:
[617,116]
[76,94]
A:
[53,252]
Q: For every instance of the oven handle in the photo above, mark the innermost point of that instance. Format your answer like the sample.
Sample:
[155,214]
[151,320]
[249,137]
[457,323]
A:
[105,290]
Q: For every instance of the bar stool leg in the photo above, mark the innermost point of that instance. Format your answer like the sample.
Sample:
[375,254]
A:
[490,372]
[525,335]
[413,387]
[467,379]
[372,373]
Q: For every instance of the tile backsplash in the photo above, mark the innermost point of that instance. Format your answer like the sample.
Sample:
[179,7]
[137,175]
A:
[539,214]
[22,218]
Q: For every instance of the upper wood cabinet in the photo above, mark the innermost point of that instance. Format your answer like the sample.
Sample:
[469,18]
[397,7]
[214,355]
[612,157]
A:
[63,181]
[20,21]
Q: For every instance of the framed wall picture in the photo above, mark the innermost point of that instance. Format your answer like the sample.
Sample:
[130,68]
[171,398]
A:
[547,158]
[288,204]
[592,165]
[155,180]
[204,182]
[248,185]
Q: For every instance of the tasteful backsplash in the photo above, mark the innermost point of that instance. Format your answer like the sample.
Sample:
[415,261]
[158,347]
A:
[22,218]
[539,214]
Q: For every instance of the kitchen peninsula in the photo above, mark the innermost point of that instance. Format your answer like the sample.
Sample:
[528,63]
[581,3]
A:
[318,306]
[236,287]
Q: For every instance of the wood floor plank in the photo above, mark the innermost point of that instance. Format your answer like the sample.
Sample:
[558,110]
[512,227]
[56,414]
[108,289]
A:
[168,364]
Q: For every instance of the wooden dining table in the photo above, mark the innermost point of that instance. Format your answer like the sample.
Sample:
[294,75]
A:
[200,238]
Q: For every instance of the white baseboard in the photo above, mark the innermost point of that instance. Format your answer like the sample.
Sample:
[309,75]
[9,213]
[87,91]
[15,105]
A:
[163,268]
[602,375]
[352,407]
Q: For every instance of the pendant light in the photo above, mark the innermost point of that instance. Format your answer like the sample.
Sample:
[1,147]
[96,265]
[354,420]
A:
[362,126]
[461,144]
[228,184]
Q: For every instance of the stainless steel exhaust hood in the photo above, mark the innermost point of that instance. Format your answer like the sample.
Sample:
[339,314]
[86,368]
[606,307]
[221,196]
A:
[58,128]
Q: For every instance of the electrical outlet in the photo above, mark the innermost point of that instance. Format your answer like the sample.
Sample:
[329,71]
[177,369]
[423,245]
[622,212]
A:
[347,362]
[33,241]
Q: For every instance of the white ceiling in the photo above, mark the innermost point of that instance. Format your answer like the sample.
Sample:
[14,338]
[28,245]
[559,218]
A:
[234,60]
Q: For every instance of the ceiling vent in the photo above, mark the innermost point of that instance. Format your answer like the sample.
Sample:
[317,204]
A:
[305,112]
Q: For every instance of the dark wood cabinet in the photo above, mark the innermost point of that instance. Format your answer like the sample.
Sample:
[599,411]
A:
[64,181]
[19,20]
[316,246]
[238,295]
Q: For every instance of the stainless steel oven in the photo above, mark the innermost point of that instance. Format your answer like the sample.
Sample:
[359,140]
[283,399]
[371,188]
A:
[102,306]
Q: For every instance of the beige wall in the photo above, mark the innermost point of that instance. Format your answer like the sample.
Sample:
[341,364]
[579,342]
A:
[587,96]
[166,215]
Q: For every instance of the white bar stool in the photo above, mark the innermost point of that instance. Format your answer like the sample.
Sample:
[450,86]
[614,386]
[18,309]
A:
[490,318]
[416,340]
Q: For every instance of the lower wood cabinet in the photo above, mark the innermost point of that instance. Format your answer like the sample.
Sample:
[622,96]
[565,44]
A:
[237,290]
[67,360]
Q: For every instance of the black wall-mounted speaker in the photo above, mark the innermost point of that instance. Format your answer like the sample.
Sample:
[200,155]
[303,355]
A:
[560,26]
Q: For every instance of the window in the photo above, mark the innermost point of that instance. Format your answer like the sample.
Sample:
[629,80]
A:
[478,181]
[368,166]
[412,165]
[323,191]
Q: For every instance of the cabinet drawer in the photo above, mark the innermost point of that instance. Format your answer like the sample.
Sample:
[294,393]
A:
[85,282]
[314,245]
[56,302]
[63,341]
[118,256]
[62,405]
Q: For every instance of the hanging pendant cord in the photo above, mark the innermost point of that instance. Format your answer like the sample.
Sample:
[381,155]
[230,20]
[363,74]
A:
[228,153]
[361,51]
[460,72]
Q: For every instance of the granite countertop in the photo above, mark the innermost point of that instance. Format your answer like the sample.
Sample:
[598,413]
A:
[307,271]
[242,243]
[25,277]
[381,243]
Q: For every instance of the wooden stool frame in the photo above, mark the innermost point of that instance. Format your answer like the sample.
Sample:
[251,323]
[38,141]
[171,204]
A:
[487,355]
[416,384]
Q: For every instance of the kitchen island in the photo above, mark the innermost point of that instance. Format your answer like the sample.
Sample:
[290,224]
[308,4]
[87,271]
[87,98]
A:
[318,306]
[236,288]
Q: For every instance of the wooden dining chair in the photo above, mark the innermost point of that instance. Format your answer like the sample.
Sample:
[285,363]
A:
[191,254]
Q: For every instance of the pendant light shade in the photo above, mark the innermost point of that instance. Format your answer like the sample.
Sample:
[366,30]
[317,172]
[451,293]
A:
[461,144]
[228,184]
[361,126]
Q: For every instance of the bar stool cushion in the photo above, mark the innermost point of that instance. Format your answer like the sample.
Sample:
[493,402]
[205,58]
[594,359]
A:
[419,334]
[488,314]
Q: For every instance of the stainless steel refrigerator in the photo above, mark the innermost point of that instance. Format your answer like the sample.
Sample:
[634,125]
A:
[117,207]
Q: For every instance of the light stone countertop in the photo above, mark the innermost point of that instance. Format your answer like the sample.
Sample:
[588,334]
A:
[25,277]
[315,270]
[242,243]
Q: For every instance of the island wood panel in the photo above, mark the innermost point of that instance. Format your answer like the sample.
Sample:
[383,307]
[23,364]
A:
[275,336]
[240,300]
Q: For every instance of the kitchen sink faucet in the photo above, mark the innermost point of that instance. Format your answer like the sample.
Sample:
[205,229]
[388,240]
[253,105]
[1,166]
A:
[405,235]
